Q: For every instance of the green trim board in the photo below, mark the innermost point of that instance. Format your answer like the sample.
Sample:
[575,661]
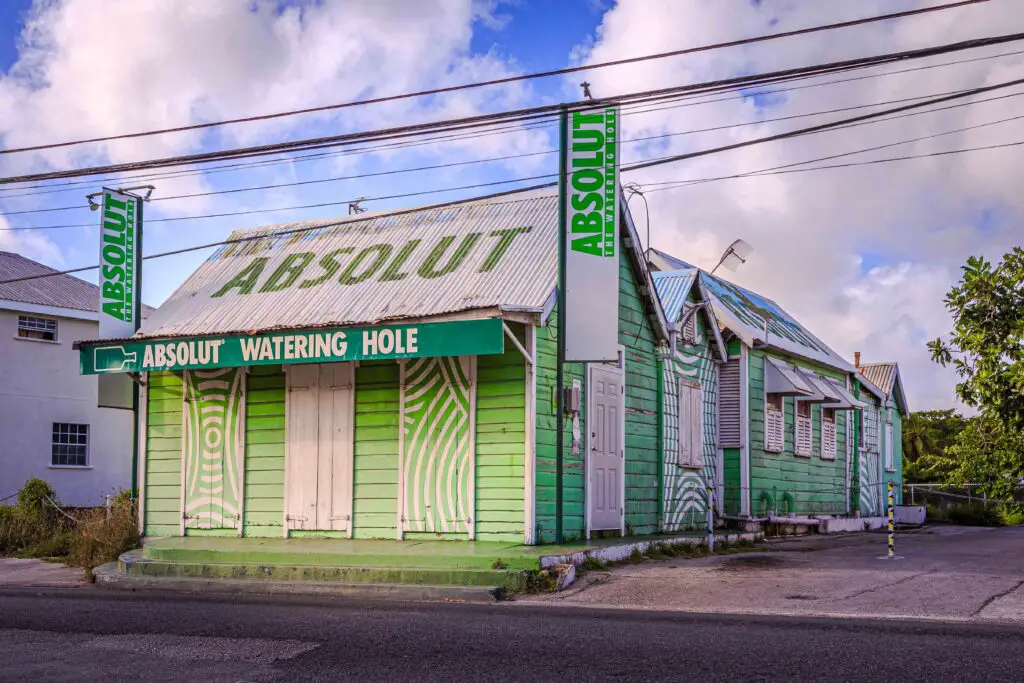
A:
[456,338]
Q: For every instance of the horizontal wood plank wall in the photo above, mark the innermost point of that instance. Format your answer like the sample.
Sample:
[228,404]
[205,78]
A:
[264,452]
[641,445]
[500,443]
[642,406]
[818,485]
[163,455]
[375,452]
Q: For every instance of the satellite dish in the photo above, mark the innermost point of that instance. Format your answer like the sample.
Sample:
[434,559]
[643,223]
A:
[735,255]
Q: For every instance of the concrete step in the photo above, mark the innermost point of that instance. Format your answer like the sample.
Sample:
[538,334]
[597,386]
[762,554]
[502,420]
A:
[135,564]
[110,576]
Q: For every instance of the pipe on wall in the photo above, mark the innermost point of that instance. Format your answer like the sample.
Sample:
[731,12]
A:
[790,501]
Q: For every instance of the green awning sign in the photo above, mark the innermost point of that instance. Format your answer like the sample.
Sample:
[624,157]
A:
[382,342]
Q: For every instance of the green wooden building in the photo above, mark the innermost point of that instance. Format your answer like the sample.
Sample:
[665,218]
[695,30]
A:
[881,425]
[692,464]
[785,408]
[392,376]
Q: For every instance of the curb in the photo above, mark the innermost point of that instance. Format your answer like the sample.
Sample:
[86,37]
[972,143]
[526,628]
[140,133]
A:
[109,577]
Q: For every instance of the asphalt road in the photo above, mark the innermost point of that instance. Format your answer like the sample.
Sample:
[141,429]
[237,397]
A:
[99,636]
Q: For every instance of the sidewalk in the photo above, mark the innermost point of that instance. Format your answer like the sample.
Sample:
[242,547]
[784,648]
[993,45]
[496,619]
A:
[957,573]
[15,573]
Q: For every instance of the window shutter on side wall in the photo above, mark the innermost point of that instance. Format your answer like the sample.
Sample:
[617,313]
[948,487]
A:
[690,329]
[685,442]
[775,437]
[828,439]
[729,428]
[697,431]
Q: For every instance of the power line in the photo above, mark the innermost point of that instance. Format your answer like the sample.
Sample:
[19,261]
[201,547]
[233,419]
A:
[658,161]
[637,109]
[509,79]
[522,114]
[774,170]
[488,197]
[317,181]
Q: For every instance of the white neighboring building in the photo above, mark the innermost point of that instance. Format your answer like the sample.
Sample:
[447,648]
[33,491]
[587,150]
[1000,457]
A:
[50,426]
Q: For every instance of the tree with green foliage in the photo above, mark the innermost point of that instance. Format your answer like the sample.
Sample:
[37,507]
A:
[987,344]
[986,453]
[928,433]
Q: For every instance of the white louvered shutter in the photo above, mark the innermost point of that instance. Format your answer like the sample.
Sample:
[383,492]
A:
[828,439]
[685,440]
[775,437]
[729,430]
[696,427]
[803,430]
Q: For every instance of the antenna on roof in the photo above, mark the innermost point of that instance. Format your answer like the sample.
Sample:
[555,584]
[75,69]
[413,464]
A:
[736,254]
[353,206]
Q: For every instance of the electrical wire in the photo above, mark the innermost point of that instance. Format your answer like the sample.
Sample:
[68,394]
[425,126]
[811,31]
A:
[833,125]
[72,186]
[471,162]
[509,79]
[519,115]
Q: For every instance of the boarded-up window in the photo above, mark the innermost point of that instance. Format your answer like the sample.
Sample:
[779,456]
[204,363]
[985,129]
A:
[774,425]
[729,405]
[803,428]
[691,434]
[828,433]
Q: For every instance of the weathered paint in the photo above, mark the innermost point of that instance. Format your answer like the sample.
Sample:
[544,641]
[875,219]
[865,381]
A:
[816,484]
[641,444]
[685,487]
[163,455]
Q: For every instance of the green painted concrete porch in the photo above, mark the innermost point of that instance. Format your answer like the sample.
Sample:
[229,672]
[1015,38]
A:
[429,562]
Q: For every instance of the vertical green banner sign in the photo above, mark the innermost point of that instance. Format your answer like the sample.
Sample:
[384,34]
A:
[590,204]
[120,308]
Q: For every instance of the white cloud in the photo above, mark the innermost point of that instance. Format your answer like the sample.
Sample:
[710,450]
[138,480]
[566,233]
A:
[31,243]
[915,221]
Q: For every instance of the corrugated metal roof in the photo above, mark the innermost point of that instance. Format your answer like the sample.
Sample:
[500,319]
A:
[497,254]
[749,316]
[673,288]
[880,374]
[62,291]
[660,260]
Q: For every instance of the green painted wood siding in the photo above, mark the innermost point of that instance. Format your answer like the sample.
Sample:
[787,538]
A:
[375,452]
[501,444]
[264,451]
[641,445]
[817,485]
[162,495]
[685,490]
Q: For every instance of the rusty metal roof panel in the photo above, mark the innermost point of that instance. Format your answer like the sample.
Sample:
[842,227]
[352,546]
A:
[880,374]
[494,255]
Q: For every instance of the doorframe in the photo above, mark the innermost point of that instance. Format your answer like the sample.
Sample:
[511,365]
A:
[619,367]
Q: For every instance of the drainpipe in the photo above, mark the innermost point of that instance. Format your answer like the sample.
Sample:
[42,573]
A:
[790,502]
[769,503]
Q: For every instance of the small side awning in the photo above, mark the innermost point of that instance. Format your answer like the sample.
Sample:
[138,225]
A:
[782,379]
[824,391]
[848,401]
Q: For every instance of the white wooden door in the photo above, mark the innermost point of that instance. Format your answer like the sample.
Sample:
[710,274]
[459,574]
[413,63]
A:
[606,453]
[318,416]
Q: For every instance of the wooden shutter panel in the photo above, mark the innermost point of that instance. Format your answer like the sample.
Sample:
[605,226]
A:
[696,430]
[685,440]
[729,429]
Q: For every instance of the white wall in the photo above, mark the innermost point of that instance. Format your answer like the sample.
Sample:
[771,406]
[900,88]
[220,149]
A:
[40,384]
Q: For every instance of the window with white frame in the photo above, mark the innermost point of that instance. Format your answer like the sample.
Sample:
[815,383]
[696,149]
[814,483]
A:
[691,432]
[70,445]
[828,433]
[889,445]
[32,327]
[774,424]
[803,428]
